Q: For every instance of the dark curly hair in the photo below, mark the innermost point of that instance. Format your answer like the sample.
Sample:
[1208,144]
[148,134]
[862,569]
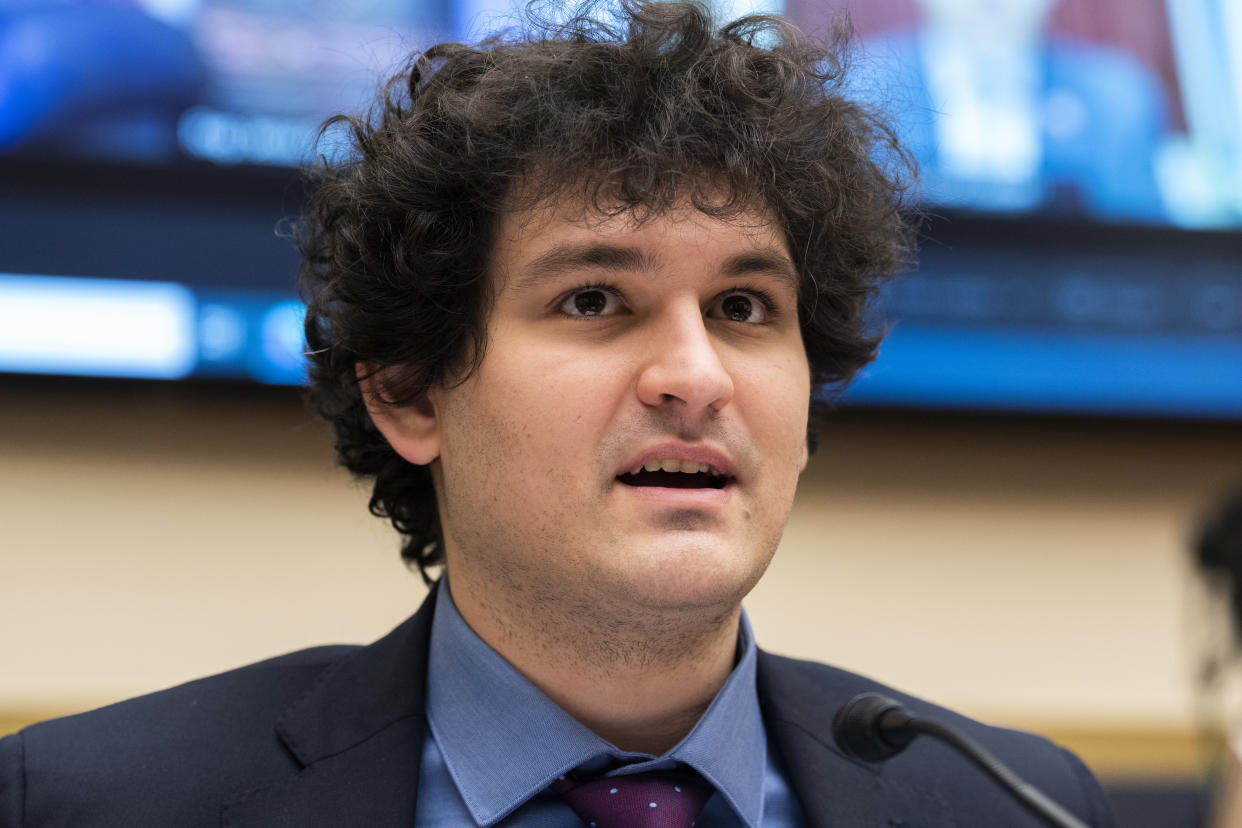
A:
[636,115]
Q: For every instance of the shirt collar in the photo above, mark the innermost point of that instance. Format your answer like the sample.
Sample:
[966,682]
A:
[504,741]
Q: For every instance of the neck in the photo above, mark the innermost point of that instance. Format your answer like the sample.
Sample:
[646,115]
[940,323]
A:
[639,677]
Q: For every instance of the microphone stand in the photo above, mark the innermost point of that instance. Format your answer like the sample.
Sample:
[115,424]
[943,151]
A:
[874,728]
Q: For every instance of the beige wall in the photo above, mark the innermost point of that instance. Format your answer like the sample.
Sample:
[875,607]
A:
[1026,571]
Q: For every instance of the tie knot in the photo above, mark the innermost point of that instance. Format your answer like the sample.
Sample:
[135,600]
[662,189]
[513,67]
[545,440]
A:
[654,799]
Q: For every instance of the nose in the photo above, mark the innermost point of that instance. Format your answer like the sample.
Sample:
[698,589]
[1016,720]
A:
[684,364]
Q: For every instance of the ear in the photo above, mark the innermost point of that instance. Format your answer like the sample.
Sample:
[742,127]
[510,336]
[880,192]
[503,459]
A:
[412,429]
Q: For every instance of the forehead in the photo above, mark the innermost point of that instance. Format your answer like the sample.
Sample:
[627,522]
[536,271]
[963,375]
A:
[549,240]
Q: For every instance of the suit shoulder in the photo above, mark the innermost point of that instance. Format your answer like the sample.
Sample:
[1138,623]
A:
[824,688]
[219,731]
[833,685]
[259,688]
[807,695]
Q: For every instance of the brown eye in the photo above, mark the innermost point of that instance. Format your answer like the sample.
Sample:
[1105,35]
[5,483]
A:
[590,303]
[745,306]
[738,307]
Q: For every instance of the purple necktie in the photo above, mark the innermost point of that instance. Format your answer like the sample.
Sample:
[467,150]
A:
[655,799]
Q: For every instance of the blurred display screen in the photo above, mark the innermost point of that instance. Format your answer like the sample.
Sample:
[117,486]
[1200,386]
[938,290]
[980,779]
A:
[152,330]
[1122,110]
[147,330]
[226,81]
[1111,129]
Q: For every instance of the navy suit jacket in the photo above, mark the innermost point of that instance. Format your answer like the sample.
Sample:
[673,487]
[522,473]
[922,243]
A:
[333,736]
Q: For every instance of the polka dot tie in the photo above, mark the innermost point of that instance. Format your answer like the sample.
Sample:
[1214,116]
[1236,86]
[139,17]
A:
[655,799]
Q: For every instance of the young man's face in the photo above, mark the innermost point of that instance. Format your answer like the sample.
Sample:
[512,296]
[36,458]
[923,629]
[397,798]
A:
[612,346]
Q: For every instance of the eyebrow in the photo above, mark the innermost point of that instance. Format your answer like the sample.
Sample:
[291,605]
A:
[766,261]
[570,257]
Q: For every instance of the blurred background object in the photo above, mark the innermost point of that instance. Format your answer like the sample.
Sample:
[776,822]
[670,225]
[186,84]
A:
[1081,158]
[1005,114]
[1218,553]
[1002,497]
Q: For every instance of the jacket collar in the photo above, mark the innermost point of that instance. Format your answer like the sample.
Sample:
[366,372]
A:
[358,735]
[799,700]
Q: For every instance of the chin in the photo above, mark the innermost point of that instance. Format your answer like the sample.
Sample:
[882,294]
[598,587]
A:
[694,575]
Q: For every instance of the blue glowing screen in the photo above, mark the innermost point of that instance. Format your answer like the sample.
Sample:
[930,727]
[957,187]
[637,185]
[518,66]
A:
[1124,110]
[1110,114]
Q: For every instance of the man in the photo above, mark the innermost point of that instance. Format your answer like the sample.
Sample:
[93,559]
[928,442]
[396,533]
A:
[568,306]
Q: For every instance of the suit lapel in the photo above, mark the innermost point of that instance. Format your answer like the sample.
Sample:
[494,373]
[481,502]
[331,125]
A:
[358,735]
[798,702]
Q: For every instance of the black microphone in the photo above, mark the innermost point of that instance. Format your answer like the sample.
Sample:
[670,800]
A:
[874,728]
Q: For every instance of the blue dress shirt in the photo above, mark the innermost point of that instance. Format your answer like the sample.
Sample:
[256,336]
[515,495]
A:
[495,743]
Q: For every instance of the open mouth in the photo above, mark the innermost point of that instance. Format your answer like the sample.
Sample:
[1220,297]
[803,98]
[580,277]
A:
[675,479]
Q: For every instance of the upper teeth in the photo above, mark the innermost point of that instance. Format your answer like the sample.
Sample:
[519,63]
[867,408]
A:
[686,466]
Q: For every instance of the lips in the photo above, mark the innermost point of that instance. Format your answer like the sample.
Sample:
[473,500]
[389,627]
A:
[678,466]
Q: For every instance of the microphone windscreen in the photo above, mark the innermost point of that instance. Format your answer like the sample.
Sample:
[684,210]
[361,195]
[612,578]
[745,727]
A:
[857,729]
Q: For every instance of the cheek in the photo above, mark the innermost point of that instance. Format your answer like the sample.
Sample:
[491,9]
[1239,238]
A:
[777,401]
[542,429]
[576,391]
